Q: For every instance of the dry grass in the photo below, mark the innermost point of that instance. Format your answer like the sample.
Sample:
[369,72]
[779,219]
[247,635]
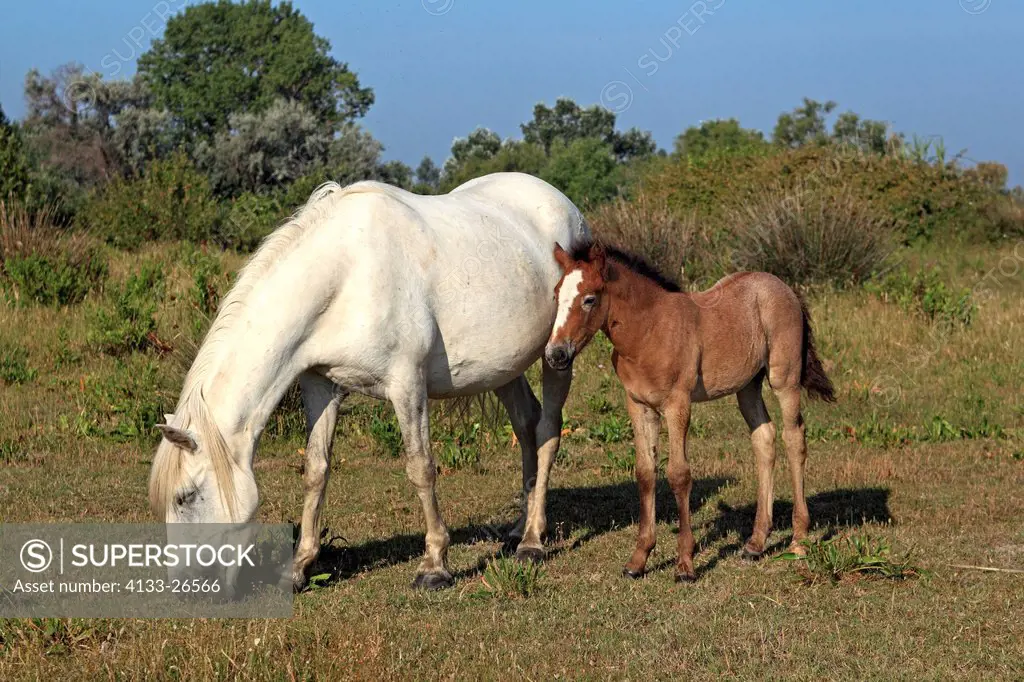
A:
[954,502]
[807,235]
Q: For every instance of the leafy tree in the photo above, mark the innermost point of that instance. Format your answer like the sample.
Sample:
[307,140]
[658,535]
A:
[585,170]
[263,151]
[218,59]
[479,145]
[804,125]
[428,174]
[395,173]
[567,122]
[718,136]
[864,134]
[14,168]
[511,155]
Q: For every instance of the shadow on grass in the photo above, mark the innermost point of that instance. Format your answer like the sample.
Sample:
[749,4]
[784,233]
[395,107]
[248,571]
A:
[584,513]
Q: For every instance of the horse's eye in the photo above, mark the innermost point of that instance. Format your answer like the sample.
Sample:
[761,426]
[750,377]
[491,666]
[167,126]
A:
[183,498]
[589,301]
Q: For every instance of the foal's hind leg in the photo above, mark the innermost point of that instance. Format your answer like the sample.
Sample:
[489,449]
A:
[762,438]
[524,412]
[548,435]
[794,437]
[646,424]
[321,399]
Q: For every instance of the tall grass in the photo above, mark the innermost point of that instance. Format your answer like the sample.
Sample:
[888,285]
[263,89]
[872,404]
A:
[40,263]
[806,235]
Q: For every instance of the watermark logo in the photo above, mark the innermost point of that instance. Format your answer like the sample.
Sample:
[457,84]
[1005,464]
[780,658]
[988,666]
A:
[438,7]
[975,6]
[36,556]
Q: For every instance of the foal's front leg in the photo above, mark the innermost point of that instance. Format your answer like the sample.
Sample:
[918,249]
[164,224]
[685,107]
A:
[681,480]
[646,426]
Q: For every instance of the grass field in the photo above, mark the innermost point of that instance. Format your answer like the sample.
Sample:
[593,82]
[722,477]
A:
[924,449]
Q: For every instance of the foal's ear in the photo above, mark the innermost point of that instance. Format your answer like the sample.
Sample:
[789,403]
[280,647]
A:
[180,437]
[597,256]
[563,257]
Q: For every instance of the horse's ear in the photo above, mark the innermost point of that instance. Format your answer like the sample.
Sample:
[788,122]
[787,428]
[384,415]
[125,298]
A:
[563,257]
[180,437]
[597,256]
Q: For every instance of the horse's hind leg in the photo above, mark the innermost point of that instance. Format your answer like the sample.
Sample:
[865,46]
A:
[524,412]
[409,396]
[321,399]
[762,438]
[794,437]
[646,425]
[548,436]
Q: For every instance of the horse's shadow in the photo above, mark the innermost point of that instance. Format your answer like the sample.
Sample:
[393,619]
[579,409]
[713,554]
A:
[578,515]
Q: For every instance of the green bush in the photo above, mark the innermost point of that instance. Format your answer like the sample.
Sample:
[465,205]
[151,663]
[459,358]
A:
[384,430]
[251,217]
[585,170]
[129,324]
[14,367]
[127,404]
[171,200]
[926,293]
[43,264]
[461,447]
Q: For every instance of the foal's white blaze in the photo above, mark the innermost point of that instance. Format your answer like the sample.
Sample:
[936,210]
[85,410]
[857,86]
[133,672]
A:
[570,290]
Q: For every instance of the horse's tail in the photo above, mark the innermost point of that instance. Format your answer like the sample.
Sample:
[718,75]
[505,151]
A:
[812,374]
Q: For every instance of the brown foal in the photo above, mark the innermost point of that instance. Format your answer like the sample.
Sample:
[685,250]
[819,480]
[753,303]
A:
[673,349]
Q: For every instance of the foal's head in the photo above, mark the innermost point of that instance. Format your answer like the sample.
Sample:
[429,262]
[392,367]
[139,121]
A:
[582,303]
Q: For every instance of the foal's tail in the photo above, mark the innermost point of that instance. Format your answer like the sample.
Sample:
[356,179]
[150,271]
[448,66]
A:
[812,374]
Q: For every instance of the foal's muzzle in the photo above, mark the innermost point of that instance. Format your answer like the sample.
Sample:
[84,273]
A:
[560,356]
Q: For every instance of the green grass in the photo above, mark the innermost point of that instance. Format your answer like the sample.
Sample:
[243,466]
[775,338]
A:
[922,453]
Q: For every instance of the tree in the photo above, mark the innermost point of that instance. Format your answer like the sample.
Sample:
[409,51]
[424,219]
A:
[804,125]
[863,134]
[585,170]
[263,151]
[219,59]
[479,145]
[14,168]
[428,174]
[511,155]
[567,122]
[718,136]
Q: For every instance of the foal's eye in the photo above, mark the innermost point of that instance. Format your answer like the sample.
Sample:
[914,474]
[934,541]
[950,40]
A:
[589,301]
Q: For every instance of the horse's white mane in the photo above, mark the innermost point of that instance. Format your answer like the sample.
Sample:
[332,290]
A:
[192,410]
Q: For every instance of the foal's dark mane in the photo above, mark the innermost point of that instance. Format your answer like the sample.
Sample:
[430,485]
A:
[631,261]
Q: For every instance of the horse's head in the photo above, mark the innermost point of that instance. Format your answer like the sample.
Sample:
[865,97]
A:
[195,476]
[582,303]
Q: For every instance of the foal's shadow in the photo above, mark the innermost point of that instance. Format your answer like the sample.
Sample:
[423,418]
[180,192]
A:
[578,515]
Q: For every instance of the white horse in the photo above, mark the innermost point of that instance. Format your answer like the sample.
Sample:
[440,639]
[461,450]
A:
[372,289]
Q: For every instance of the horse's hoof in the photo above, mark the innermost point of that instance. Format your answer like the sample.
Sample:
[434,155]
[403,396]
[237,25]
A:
[686,577]
[299,581]
[751,554]
[431,582]
[631,574]
[530,555]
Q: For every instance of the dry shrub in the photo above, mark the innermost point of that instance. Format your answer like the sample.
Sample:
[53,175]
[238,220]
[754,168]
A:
[807,234]
[42,263]
[647,226]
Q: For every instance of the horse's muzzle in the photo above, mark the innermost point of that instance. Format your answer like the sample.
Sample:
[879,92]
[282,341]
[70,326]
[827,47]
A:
[560,356]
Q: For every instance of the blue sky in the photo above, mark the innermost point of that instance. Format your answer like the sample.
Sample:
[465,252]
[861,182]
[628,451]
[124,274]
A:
[440,68]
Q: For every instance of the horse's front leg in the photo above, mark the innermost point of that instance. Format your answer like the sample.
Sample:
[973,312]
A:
[409,397]
[646,425]
[321,399]
[548,438]
[681,479]
[524,412]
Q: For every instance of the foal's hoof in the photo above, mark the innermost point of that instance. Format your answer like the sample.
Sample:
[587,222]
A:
[750,553]
[431,582]
[631,574]
[530,555]
[686,577]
